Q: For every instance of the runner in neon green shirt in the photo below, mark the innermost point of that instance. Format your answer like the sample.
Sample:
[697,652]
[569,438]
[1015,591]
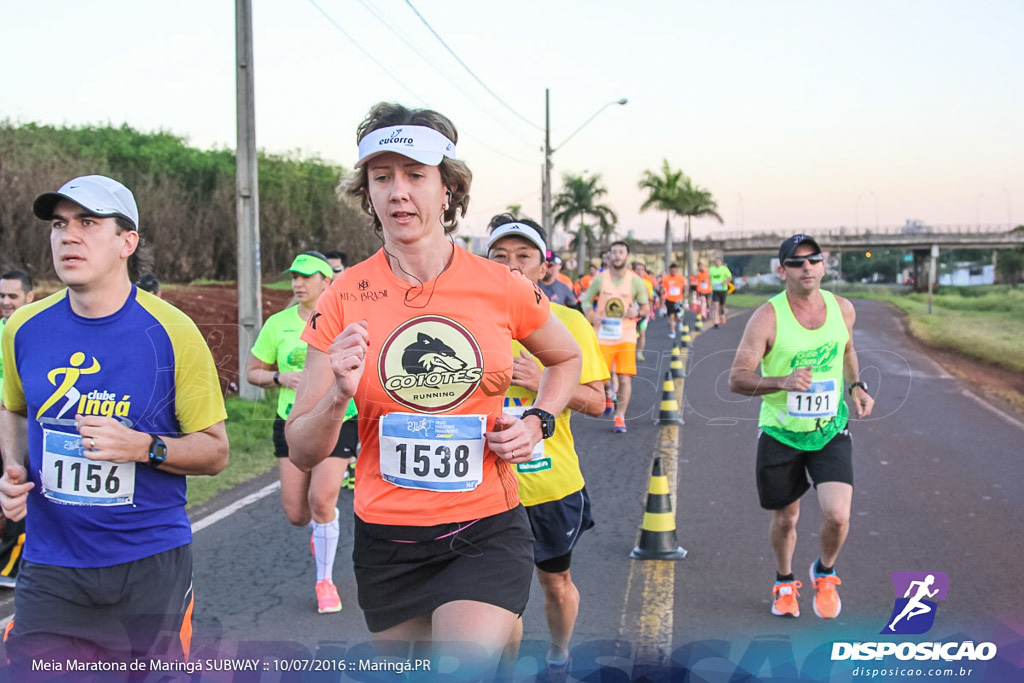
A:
[277,360]
[721,276]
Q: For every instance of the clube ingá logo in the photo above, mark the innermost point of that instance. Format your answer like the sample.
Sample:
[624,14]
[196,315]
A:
[916,596]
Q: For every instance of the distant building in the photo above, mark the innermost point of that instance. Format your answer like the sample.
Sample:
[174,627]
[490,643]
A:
[966,275]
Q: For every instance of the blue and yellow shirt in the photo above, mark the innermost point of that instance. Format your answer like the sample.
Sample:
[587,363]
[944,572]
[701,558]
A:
[146,365]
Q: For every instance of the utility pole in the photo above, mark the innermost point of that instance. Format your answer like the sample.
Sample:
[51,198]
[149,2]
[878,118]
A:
[247,200]
[545,197]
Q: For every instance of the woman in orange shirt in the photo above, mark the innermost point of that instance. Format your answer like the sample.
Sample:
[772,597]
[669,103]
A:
[420,335]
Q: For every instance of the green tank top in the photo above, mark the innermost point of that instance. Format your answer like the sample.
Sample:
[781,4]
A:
[806,420]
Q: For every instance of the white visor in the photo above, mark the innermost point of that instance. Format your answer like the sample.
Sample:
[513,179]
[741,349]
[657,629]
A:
[419,143]
[518,230]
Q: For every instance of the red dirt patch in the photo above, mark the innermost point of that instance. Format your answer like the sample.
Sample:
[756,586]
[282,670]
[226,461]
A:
[214,309]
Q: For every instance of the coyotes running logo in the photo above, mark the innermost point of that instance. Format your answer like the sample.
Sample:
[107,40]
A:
[430,364]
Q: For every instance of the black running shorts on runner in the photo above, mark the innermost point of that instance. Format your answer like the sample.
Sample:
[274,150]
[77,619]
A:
[488,561]
[348,439]
[719,296]
[136,610]
[782,471]
[673,307]
[557,527]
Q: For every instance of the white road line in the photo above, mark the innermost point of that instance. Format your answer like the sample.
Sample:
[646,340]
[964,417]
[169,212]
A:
[229,510]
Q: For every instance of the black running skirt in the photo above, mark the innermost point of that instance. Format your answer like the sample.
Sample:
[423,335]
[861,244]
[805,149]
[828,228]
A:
[404,572]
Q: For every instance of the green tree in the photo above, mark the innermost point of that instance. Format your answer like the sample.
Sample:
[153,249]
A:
[696,202]
[672,191]
[664,193]
[578,200]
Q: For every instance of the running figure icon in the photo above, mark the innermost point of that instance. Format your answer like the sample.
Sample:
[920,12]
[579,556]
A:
[915,606]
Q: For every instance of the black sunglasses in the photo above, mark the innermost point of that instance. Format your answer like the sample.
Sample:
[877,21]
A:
[798,261]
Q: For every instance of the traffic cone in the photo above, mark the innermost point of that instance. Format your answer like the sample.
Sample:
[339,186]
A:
[698,325]
[669,414]
[685,339]
[675,366]
[658,531]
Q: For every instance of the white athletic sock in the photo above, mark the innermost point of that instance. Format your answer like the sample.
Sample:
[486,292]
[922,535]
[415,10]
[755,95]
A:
[325,547]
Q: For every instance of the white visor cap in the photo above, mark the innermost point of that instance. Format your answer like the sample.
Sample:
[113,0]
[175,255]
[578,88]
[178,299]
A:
[419,143]
[520,230]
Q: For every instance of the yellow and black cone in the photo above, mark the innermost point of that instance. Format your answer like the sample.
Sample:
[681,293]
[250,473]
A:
[685,339]
[675,366]
[669,413]
[658,532]
[698,324]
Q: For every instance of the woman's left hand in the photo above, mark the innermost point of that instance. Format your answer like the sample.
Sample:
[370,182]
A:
[511,439]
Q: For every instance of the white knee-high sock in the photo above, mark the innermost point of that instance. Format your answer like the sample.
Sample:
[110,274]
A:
[325,547]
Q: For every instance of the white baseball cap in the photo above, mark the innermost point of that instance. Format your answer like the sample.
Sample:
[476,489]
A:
[97,194]
[419,143]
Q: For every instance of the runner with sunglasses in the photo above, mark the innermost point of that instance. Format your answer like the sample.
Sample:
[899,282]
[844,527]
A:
[803,341]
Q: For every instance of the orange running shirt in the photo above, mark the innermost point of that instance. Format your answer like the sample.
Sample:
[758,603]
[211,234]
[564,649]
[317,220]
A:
[673,286]
[703,282]
[435,352]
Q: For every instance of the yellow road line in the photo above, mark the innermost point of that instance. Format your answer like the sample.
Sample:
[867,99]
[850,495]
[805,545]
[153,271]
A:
[652,632]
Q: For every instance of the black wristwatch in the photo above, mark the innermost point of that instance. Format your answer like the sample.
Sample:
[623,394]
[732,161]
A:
[547,421]
[858,383]
[157,452]
[277,378]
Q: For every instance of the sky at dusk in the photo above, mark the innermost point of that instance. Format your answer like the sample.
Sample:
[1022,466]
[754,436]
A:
[795,115]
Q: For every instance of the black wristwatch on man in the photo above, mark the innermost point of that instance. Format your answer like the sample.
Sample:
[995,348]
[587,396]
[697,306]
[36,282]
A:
[860,384]
[157,451]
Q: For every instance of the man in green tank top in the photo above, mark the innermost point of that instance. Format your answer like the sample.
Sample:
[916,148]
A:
[802,339]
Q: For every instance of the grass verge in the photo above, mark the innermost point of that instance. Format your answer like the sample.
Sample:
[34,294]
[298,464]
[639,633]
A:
[985,325]
[249,427]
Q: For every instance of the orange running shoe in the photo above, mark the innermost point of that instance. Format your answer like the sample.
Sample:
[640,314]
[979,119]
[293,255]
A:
[327,599]
[827,604]
[785,594]
[620,425]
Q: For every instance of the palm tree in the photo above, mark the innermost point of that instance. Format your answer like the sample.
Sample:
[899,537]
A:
[578,200]
[665,192]
[672,191]
[696,201]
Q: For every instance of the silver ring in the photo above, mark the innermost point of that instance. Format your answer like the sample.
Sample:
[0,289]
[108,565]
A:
[513,454]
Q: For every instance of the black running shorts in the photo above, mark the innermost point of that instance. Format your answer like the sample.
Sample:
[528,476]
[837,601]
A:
[782,471]
[348,439]
[136,610]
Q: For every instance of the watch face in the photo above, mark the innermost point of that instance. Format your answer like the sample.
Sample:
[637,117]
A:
[158,451]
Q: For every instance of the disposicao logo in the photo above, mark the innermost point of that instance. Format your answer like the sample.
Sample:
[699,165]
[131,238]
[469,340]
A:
[913,613]
[916,595]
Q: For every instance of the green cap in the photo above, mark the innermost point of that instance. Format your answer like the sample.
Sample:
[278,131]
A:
[307,264]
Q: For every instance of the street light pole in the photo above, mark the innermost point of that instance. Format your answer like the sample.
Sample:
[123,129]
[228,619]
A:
[546,174]
[546,217]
